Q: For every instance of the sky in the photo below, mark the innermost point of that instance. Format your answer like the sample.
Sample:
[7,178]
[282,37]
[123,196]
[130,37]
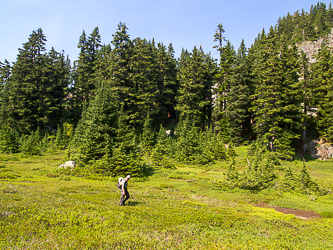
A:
[184,23]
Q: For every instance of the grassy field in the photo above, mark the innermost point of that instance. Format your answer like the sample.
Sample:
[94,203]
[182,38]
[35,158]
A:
[41,208]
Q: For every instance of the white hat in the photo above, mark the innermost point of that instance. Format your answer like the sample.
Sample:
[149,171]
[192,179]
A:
[128,176]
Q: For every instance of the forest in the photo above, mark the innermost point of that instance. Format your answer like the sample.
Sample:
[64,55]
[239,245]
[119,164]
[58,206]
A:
[124,106]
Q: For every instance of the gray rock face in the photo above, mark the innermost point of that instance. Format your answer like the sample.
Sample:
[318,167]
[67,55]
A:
[311,48]
[319,150]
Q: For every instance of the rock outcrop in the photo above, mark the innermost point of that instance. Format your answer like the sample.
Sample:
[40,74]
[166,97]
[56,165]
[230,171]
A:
[67,164]
[319,150]
[311,48]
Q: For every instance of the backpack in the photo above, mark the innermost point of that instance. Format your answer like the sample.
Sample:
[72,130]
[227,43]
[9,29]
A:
[120,179]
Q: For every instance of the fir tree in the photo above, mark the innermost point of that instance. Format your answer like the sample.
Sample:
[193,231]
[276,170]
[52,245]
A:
[196,80]
[84,70]
[321,82]
[5,74]
[167,84]
[94,137]
[239,103]
[34,99]
[148,137]
[9,140]
[276,102]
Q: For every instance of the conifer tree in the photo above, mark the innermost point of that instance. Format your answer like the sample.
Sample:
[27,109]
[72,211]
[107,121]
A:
[55,89]
[101,67]
[142,86]
[167,84]
[223,76]
[5,74]
[161,152]
[96,132]
[238,99]
[306,84]
[148,137]
[321,78]
[196,80]
[84,70]
[9,140]
[37,86]
[120,71]
[276,102]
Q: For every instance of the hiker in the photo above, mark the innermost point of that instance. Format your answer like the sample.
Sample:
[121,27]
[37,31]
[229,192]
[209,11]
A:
[122,185]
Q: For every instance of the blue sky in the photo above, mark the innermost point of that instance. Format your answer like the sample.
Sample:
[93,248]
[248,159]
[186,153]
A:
[184,23]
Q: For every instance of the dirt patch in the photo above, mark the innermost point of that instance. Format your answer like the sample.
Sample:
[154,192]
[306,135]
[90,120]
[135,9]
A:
[302,214]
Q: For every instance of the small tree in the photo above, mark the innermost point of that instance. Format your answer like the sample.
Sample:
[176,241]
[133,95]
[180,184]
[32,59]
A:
[8,140]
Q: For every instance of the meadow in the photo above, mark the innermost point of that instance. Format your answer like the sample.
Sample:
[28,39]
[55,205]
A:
[44,208]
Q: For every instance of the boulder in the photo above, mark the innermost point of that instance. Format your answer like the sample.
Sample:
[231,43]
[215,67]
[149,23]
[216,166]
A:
[68,164]
[318,149]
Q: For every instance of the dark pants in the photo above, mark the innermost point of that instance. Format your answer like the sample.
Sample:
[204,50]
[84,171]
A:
[122,198]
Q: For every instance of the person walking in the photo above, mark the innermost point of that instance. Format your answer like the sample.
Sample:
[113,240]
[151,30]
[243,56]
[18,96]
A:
[122,185]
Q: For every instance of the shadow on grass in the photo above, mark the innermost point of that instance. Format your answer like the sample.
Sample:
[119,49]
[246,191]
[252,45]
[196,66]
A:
[148,171]
[134,203]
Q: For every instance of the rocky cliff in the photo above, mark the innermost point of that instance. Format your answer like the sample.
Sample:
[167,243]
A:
[312,48]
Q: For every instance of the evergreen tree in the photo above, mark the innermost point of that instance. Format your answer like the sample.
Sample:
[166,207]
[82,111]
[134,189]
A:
[101,67]
[37,86]
[55,89]
[224,76]
[94,137]
[31,145]
[142,85]
[167,85]
[120,70]
[148,137]
[84,71]
[222,89]
[321,81]
[238,100]
[195,95]
[5,74]
[161,155]
[9,140]
[306,84]
[276,102]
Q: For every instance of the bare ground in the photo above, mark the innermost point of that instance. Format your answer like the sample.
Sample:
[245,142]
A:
[302,214]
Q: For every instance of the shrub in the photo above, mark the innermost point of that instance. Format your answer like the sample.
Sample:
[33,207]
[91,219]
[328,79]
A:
[326,214]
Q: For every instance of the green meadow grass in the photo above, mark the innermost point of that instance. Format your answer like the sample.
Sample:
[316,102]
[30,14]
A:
[41,208]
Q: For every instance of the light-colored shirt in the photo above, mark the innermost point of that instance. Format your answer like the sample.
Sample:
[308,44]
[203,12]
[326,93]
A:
[123,182]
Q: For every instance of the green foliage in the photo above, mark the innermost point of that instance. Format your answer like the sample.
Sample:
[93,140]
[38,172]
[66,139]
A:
[224,128]
[96,131]
[237,112]
[9,140]
[161,153]
[37,88]
[147,139]
[196,72]
[262,173]
[327,215]
[322,90]
[277,100]
[123,163]
[84,74]
[305,26]
[30,145]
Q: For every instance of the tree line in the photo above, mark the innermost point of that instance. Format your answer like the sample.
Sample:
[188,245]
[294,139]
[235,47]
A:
[121,98]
